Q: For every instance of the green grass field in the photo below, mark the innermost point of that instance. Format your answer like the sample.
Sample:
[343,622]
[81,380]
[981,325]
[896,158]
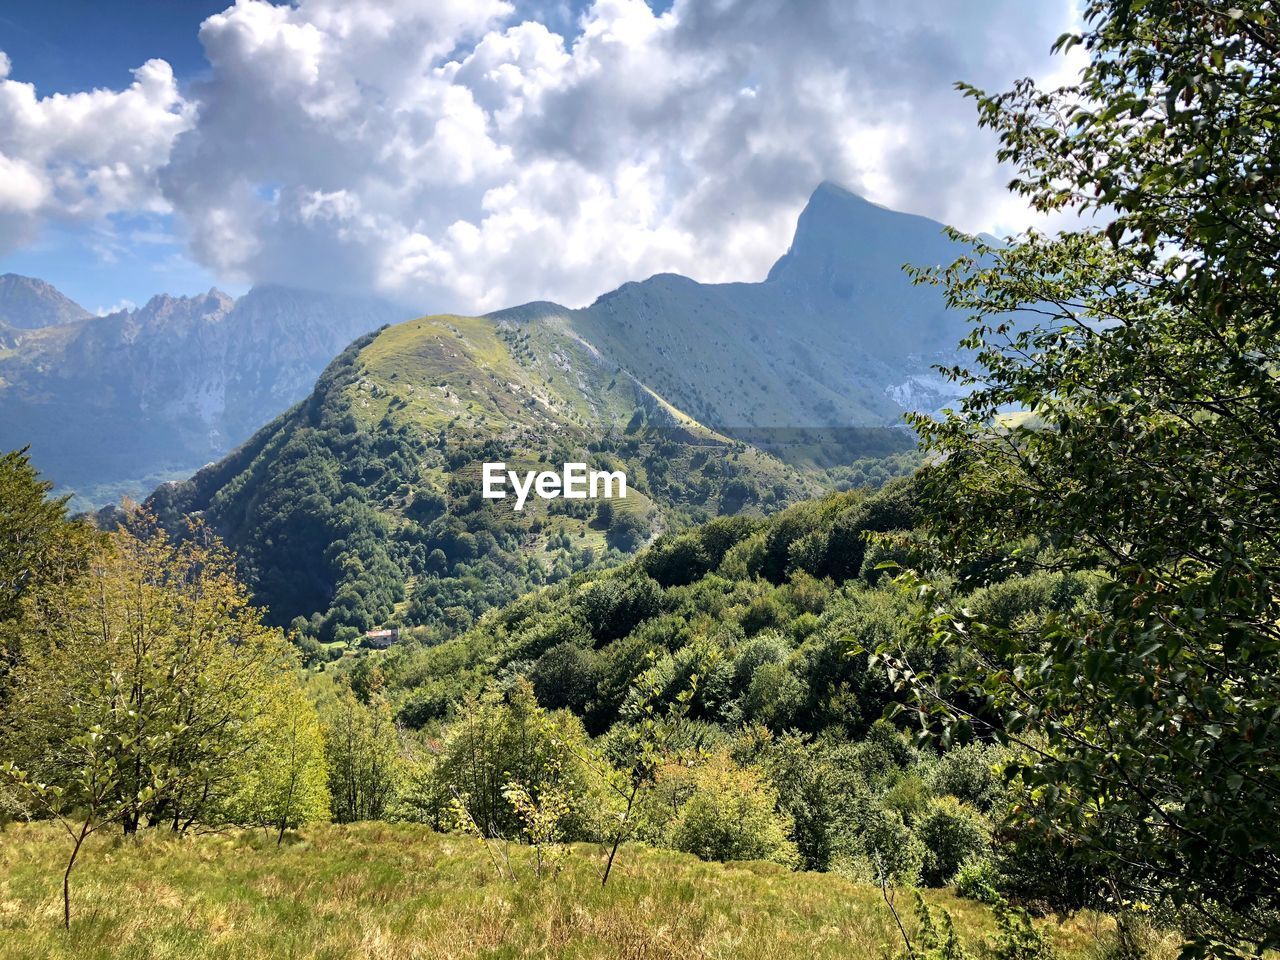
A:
[393,891]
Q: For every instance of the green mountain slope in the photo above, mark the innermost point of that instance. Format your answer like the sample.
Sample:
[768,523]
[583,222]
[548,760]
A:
[363,505]
[764,611]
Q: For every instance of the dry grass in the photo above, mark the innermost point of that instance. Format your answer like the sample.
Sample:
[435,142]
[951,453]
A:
[400,891]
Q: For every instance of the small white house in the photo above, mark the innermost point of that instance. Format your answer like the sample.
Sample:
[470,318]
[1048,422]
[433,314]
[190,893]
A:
[380,639]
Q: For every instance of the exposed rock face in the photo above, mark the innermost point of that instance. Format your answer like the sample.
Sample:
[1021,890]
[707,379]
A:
[835,338]
[111,404]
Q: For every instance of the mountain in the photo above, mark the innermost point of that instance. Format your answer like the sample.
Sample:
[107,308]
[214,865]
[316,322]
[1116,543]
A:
[28,304]
[113,405]
[10,337]
[813,362]
[362,506]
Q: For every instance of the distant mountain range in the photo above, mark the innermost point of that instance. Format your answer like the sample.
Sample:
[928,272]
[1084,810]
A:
[113,405]
[362,504]
[810,364]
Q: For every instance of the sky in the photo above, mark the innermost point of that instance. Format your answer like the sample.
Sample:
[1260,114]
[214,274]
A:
[465,155]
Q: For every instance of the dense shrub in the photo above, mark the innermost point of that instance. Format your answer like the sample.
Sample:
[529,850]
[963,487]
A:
[907,795]
[718,536]
[884,847]
[883,753]
[968,772]
[770,673]
[815,789]
[614,606]
[892,508]
[627,532]
[500,740]
[786,529]
[676,561]
[553,629]
[765,611]
[745,559]
[1045,873]
[774,697]
[951,834]
[731,815]
[978,879]
[566,676]
[1004,604]
[753,654]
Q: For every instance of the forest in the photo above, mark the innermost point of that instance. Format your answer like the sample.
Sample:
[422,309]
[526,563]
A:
[1040,671]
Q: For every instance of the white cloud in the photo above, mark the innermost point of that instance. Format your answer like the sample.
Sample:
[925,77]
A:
[441,152]
[84,156]
[23,190]
[119,307]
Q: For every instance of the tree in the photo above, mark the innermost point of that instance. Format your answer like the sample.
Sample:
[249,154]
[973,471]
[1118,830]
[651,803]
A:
[363,754]
[614,606]
[39,547]
[283,780]
[809,786]
[604,514]
[89,796]
[1142,353]
[627,532]
[951,834]
[731,814]
[675,561]
[157,650]
[507,761]
[566,676]
[140,679]
[644,745]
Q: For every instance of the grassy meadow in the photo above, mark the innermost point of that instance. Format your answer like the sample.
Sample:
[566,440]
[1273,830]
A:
[396,890]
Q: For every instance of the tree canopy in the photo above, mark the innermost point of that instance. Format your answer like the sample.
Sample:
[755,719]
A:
[1123,418]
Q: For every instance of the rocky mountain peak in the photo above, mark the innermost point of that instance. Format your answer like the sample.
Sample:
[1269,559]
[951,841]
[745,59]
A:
[28,304]
[842,238]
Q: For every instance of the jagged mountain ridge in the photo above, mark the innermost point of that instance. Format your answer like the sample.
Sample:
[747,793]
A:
[113,404]
[836,336]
